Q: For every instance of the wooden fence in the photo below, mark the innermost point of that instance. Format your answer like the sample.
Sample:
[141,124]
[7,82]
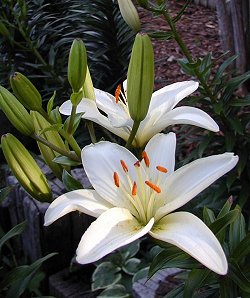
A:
[206,3]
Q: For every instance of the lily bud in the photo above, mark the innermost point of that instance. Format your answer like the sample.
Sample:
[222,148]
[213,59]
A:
[26,92]
[16,112]
[88,88]
[140,77]
[77,65]
[130,14]
[53,137]
[25,168]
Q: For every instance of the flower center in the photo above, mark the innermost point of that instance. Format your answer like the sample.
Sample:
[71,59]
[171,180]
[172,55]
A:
[139,187]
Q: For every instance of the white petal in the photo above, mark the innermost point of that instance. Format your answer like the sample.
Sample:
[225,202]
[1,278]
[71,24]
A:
[168,97]
[191,179]
[188,115]
[190,234]
[83,200]
[100,161]
[161,152]
[113,229]
[89,108]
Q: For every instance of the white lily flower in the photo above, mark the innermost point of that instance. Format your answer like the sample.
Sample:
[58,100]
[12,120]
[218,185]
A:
[133,198]
[162,112]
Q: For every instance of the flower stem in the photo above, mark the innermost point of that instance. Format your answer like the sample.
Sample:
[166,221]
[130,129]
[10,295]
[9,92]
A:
[70,155]
[91,130]
[71,119]
[132,134]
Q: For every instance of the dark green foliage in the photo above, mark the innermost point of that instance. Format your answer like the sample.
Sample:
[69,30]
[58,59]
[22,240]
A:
[38,35]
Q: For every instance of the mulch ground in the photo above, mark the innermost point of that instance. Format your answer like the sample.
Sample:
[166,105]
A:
[198,28]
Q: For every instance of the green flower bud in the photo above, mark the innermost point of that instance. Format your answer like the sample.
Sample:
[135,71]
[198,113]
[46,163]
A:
[140,77]
[130,14]
[53,137]
[25,168]
[88,88]
[77,65]
[26,92]
[16,112]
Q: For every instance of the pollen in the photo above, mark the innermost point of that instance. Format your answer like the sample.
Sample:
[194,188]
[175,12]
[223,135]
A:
[145,157]
[117,93]
[153,186]
[134,189]
[161,169]
[137,164]
[124,166]
[116,179]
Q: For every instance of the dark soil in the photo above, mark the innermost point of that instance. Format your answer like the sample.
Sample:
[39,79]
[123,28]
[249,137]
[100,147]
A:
[199,29]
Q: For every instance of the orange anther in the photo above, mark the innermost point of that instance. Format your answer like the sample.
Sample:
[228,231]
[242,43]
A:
[124,166]
[117,93]
[116,179]
[161,169]
[145,157]
[134,189]
[153,186]
[137,164]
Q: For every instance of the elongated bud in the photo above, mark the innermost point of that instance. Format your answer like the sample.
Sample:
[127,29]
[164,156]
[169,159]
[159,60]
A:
[16,112]
[140,77]
[77,65]
[130,14]
[26,92]
[53,137]
[25,168]
[88,88]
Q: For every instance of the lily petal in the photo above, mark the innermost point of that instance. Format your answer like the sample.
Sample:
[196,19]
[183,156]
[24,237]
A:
[83,200]
[191,179]
[161,152]
[190,234]
[89,108]
[113,229]
[100,162]
[188,115]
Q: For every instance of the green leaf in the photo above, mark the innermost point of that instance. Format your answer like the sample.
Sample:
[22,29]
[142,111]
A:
[237,229]
[53,127]
[226,208]
[4,192]
[130,250]
[76,123]
[65,161]
[50,103]
[143,273]
[161,35]
[106,274]
[236,125]
[17,230]
[222,68]
[70,182]
[237,275]
[131,266]
[208,216]
[76,98]
[176,292]
[242,249]
[116,291]
[195,280]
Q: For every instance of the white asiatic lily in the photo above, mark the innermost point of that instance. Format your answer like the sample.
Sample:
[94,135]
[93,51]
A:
[162,112]
[132,198]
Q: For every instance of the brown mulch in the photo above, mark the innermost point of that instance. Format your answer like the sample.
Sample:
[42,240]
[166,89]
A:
[198,28]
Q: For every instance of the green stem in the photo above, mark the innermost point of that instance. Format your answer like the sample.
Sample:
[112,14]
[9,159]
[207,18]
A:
[188,55]
[71,119]
[70,155]
[132,134]
[91,130]
[69,138]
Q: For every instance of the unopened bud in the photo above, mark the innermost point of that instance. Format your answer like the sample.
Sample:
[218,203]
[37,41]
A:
[88,88]
[26,92]
[77,65]
[130,14]
[16,112]
[140,82]
[25,168]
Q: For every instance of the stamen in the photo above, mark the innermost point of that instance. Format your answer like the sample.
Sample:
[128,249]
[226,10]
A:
[137,164]
[116,179]
[124,166]
[134,189]
[153,186]
[117,93]
[145,157]
[161,169]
